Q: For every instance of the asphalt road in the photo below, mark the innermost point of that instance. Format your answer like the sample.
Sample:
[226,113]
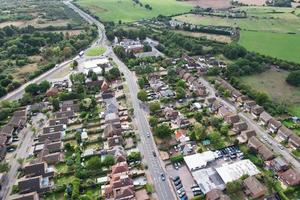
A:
[155,165]
[22,152]
[261,133]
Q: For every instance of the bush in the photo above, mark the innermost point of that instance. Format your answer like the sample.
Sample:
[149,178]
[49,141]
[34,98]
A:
[294,78]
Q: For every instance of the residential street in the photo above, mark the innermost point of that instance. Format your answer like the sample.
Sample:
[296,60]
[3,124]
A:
[155,165]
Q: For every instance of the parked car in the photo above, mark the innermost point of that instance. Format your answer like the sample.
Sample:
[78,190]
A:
[175,166]
[178,186]
[176,178]
[154,154]
[163,177]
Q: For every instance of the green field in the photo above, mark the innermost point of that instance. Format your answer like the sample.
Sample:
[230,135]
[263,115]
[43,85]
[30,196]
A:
[266,30]
[273,83]
[95,51]
[127,11]
[279,45]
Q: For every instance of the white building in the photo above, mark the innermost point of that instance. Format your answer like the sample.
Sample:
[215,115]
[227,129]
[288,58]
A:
[199,160]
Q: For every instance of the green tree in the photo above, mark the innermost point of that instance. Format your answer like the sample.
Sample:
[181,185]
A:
[154,107]
[294,78]
[32,89]
[163,131]
[198,116]
[153,121]
[171,74]
[180,84]
[44,86]
[134,156]
[142,95]
[180,93]
[55,104]
[108,161]
[234,187]
[94,163]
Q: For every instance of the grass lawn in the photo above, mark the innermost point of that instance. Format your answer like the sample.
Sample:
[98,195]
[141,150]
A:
[64,180]
[279,45]
[95,51]
[61,168]
[273,83]
[127,11]
[214,37]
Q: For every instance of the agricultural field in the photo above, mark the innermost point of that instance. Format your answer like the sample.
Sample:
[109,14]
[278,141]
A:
[273,83]
[279,45]
[214,37]
[266,30]
[128,11]
[216,4]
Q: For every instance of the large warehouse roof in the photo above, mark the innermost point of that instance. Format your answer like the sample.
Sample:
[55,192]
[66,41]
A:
[233,171]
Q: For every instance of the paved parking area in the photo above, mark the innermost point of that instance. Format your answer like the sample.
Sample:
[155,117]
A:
[185,176]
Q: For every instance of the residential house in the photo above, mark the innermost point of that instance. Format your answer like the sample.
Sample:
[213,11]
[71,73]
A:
[215,106]
[283,134]
[119,168]
[50,158]
[120,158]
[245,135]
[53,137]
[273,125]
[53,129]
[37,184]
[170,113]
[241,100]
[51,92]
[38,169]
[7,130]
[120,188]
[112,118]
[71,105]
[186,76]
[181,72]
[249,104]
[290,177]
[51,146]
[294,141]
[257,146]
[180,136]
[279,164]
[191,79]
[254,143]
[28,196]
[216,194]
[239,127]
[256,111]
[114,141]
[254,188]
[265,153]
[68,114]
[232,118]
[264,118]
[210,101]
[235,94]
[59,121]
[110,130]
